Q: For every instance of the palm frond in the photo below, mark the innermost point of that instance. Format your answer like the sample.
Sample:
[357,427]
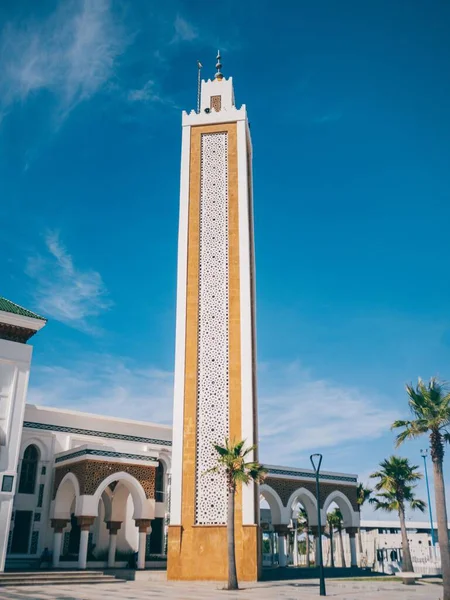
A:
[222,450]
[362,494]
[417,504]
[231,460]
[386,506]
[399,423]
[237,448]
[395,485]
[249,449]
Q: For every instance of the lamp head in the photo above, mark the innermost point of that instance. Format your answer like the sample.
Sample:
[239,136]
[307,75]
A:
[316,461]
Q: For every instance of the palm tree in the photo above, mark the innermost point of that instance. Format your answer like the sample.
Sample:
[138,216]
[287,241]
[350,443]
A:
[335,521]
[332,520]
[231,460]
[362,495]
[395,486]
[303,522]
[430,407]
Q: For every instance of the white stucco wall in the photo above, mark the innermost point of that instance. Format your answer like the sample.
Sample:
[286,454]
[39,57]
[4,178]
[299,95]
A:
[54,432]
[15,362]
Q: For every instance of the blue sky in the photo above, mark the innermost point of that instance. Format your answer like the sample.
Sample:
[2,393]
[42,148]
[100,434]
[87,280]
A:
[348,104]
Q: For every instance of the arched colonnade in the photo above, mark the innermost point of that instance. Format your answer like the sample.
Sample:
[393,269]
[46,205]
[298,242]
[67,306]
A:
[284,490]
[93,489]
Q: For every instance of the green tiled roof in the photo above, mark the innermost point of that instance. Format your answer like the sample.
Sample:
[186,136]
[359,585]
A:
[15,309]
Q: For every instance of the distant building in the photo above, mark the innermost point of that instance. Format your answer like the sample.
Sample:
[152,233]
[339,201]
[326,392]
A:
[380,549]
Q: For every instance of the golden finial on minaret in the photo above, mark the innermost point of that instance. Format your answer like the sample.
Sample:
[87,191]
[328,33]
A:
[219,74]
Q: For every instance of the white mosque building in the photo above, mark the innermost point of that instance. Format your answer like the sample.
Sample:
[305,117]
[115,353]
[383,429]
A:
[95,490]
[92,489]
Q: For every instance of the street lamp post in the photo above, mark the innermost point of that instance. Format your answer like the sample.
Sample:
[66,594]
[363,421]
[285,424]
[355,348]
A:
[316,461]
[424,454]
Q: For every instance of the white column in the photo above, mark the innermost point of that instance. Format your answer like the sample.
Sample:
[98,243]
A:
[141,551]
[353,550]
[85,524]
[282,558]
[57,540]
[6,505]
[82,552]
[113,527]
[58,526]
[144,526]
[112,549]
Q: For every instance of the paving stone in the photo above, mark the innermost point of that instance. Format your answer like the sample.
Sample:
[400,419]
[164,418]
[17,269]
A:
[285,590]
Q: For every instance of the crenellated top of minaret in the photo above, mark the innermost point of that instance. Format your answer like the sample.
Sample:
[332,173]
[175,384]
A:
[217,104]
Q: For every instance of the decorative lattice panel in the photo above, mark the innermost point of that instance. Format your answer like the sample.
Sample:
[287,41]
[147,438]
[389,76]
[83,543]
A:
[66,543]
[216,103]
[91,473]
[212,395]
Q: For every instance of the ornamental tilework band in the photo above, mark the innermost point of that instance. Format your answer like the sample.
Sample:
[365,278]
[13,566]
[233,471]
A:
[103,434]
[310,475]
[13,333]
[105,453]
[34,542]
[90,475]
[212,392]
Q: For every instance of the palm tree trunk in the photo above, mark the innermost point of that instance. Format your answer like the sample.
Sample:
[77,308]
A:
[308,550]
[341,544]
[331,547]
[407,562]
[441,514]
[232,575]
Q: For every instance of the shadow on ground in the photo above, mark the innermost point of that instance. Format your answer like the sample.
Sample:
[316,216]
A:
[289,573]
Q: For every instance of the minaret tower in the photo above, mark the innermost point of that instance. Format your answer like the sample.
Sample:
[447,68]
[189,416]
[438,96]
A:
[215,392]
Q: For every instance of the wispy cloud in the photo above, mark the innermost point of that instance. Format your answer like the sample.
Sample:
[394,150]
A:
[299,414]
[147,93]
[63,291]
[107,385]
[184,31]
[71,54]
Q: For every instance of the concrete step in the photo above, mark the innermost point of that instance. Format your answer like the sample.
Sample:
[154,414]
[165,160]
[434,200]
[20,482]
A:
[62,581]
[138,575]
[52,573]
[55,578]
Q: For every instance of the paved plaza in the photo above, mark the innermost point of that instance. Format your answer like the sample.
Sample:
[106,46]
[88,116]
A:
[287,590]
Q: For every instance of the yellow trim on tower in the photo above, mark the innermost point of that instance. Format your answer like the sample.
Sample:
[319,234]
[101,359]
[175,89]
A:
[196,551]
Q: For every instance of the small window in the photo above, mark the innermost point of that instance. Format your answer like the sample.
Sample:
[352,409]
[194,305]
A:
[7,483]
[28,471]
[216,103]
[44,470]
